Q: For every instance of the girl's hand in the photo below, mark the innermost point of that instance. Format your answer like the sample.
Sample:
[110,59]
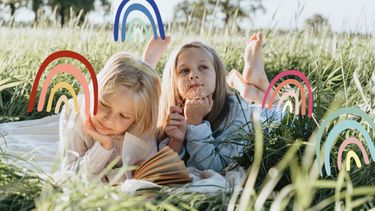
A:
[176,125]
[104,140]
[197,109]
[155,49]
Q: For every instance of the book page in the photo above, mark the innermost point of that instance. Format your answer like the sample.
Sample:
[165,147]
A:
[167,167]
[158,163]
[134,149]
[155,160]
[161,177]
[174,182]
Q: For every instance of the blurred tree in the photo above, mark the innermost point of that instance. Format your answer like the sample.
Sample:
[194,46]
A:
[197,10]
[13,5]
[317,23]
[35,6]
[63,7]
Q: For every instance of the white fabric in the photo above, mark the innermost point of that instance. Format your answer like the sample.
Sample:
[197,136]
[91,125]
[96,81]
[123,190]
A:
[207,181]
[33,140]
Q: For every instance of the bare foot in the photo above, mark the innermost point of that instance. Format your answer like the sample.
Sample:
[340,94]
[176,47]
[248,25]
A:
[155,50]
[235,80]
[248,92]
[253,72]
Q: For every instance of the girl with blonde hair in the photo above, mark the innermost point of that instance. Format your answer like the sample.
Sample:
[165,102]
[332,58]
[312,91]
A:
[128,102]
[129,91]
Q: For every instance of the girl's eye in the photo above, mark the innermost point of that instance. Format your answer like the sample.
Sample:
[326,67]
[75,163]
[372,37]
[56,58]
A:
[104,105]
[123,116]
[184,70]
[203,67]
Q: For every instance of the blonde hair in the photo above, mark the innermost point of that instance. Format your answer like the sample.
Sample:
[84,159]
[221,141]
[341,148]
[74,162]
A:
[170,95]
[123,70]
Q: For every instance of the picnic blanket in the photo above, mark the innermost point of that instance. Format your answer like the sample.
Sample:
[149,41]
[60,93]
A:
[37,142]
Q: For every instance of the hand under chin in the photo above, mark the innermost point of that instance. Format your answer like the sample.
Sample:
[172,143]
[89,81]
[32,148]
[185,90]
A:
[198,93]
[104,132]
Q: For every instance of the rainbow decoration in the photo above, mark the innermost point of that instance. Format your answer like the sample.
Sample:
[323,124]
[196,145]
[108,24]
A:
[288,103]
[136,27]
[70,69]
[336,131]
[289,82]
[54,90]
[144,10]
[62,99]
[351,153]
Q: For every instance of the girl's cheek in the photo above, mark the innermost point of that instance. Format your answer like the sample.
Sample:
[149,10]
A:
[102,111]
[181,89]
[124,126]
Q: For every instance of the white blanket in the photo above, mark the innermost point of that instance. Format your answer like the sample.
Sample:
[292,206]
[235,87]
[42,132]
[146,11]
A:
[207,181]
[37,141]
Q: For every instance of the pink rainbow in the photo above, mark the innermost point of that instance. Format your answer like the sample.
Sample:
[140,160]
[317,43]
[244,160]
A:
[71,69]
[285,96]
[284,83]
[352,140]
[300,75]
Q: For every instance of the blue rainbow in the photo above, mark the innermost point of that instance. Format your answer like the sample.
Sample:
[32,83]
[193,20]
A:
[336,130]
[143,9]
[326,122]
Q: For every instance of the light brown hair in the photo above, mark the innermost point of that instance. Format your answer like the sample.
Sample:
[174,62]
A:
[170,96]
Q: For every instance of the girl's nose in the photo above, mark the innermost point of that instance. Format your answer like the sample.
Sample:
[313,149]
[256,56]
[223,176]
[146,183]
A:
[108,118]
[108,122]
[193,77]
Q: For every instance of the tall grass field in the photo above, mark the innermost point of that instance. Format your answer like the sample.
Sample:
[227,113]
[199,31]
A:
[279,159]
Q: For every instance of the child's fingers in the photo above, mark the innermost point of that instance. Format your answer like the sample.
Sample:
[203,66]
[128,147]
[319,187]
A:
[192,105]
[98,136]
[170,129]
[175,116]
[198,101]
[204,102]
[175,123]
[192,102]
[175,109]
[91,130]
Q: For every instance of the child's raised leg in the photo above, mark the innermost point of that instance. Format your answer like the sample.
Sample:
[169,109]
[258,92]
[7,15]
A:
[154,50]
[253,72]
[249,92]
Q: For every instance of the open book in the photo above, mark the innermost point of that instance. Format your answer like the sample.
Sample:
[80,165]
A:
[163,168]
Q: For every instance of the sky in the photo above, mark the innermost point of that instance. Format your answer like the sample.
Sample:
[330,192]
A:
[343,15]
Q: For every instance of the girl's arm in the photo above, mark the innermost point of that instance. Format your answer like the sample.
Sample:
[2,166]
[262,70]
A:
[207,152]
[75,152]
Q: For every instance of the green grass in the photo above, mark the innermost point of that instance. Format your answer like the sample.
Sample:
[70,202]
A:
[282,172]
